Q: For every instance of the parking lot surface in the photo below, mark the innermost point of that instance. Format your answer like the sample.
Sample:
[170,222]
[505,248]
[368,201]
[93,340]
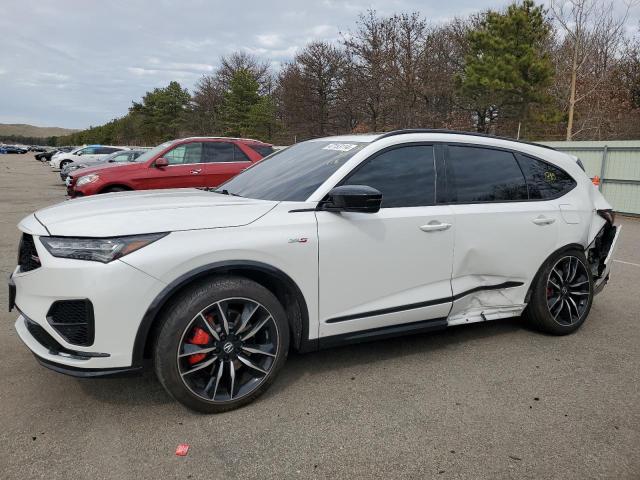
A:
[491,400]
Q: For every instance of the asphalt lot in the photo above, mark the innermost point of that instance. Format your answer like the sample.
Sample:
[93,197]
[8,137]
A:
[490,400]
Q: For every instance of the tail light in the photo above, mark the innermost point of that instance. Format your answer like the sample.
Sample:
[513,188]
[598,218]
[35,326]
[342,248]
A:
[609,215]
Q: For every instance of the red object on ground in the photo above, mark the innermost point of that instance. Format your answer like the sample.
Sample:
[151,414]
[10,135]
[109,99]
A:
[182,450]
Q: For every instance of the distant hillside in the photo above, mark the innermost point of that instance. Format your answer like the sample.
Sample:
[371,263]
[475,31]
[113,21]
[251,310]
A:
[23,130]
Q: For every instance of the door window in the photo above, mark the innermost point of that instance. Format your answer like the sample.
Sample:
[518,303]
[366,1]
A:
[121,158]
[185,153]
[405,176]
[218,152]
[89,151]
[544,180]
[476,174]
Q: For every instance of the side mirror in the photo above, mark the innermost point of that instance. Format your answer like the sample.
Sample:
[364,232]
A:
[79,153]
[352,198]
[162,162]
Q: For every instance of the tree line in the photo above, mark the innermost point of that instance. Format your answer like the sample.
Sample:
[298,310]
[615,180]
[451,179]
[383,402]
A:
[567,72]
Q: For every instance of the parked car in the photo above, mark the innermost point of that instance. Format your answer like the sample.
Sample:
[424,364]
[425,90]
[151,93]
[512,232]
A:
[116,158]
[90,152]
[14,149]
[188,162]
[329,242]
[37,148]
[46,156]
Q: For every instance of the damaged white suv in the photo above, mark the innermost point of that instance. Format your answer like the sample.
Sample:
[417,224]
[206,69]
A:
[331,241]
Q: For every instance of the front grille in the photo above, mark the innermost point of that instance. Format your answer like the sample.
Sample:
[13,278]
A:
[27,254]
[73,320]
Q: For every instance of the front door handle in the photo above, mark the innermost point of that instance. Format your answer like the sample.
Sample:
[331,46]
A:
[543,220]
[196,171]
[435,226]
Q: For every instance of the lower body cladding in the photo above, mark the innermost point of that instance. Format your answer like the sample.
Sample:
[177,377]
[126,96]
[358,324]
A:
[85,347]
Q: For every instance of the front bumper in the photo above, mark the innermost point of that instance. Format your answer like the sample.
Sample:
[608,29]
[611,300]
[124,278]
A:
[120,295]
[60,359]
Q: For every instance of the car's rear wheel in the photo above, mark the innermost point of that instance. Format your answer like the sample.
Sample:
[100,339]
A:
[221,344]
[562,294]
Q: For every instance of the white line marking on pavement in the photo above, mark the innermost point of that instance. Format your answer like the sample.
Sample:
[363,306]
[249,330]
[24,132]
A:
[627,263]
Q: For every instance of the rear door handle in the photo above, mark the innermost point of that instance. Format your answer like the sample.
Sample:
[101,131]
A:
[435,226]
[543,220]
[196,171]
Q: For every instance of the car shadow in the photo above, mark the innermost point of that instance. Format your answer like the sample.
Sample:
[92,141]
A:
[145,389]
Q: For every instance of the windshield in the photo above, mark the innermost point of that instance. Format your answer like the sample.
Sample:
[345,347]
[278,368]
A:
[149,154]
[294,173]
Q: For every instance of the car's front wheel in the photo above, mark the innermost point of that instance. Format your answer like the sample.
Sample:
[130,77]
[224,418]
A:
[562,294]
[221,344]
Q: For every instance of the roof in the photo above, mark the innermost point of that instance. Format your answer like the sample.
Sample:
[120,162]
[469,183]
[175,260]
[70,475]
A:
[248,140]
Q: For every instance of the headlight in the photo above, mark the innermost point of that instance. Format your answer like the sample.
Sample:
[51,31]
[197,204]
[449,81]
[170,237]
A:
[87,179]
[102,250]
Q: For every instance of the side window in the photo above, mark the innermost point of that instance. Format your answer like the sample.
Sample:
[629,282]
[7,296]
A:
[543,179]
[476,174]
[263,150]
[121,158]
[405,176]
[186,153]
[89,150]
[218,152]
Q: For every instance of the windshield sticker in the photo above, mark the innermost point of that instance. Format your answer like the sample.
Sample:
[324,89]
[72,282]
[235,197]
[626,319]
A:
[340,147]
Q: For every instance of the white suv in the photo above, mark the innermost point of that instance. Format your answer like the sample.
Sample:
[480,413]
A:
[331,241]
[90,152]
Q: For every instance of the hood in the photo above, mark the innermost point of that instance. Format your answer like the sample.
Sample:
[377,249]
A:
[96,168]
[150,211]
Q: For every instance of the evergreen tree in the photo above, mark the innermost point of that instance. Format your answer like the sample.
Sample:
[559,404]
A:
[507,69]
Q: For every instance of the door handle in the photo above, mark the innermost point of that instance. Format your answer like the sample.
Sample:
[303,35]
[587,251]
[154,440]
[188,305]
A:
[435,226]
[196,171]
[543,220]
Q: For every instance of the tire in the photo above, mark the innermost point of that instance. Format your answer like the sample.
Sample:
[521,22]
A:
[64,163]
[231,376]
[562,294]
[113,189]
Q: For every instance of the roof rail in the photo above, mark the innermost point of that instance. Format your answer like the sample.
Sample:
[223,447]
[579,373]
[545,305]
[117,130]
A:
[456,132]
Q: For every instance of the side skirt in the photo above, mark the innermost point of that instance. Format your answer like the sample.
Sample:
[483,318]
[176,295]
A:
[383,332]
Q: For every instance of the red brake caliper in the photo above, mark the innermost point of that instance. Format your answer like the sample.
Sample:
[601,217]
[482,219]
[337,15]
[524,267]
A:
[200,337]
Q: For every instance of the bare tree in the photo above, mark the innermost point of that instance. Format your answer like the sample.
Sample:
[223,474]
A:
[589,27]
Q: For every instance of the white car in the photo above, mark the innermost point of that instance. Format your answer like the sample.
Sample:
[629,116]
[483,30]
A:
[91,152]
[331,241]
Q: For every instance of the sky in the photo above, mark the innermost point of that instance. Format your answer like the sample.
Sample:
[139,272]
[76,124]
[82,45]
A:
[77,63]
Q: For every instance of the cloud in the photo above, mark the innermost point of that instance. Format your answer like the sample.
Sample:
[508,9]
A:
[269,40]
[65,67]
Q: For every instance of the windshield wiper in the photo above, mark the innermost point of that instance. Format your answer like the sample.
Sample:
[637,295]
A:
[224,191]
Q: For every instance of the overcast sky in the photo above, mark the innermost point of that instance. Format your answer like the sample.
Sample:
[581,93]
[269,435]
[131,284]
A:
[75,63]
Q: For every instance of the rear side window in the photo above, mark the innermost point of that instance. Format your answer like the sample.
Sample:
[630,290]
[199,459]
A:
[263,150]
[405,176]
[543,179]
[476,174]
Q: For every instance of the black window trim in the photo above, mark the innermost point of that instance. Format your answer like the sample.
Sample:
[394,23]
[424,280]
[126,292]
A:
[437,149]
[515,154]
